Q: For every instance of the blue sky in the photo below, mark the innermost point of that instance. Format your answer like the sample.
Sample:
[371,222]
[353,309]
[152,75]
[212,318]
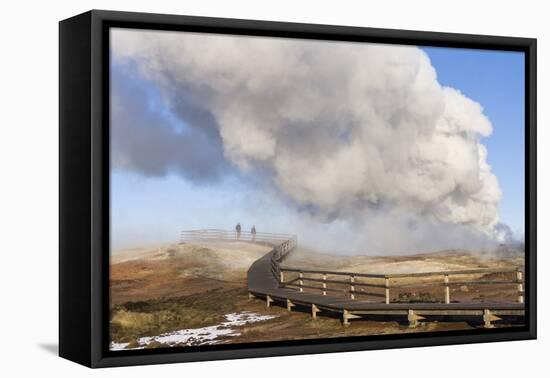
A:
[495,80]
[150,209]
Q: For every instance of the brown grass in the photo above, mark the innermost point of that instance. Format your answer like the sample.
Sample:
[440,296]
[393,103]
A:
[158,295]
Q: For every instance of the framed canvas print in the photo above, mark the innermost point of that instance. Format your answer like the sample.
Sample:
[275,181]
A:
[234,188]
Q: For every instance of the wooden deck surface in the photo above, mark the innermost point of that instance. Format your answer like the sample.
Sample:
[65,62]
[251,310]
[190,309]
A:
[263,283]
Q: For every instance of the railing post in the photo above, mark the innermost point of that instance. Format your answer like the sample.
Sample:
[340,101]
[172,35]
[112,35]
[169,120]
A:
[324,284]
[413,319]
[314,311]
[351,287]
[301,282]
[519,278]
[289,305]
[489,317]
[387,289]
[447,289]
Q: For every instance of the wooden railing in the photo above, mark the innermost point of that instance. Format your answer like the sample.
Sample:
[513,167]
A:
[277,256]
[215,234]
[354,284]
[379,285]
[283,243]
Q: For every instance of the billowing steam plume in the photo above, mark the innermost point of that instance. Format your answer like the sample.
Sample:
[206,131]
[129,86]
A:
[342,130]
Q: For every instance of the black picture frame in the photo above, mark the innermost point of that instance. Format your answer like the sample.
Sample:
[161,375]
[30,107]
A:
[84,186]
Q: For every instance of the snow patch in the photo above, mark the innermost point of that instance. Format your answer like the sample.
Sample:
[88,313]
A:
[201,336]
[118,346]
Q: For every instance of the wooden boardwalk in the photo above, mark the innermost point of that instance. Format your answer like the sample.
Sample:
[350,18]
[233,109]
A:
[264,282]
[269,280]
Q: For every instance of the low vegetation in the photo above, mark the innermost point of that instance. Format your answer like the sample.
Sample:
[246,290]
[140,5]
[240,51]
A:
[171,290]
[422,297]
[133,320]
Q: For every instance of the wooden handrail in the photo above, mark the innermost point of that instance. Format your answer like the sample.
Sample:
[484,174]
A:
[343,282]
[328,272]
[404,275]
[455,272]
[213,233]
[286,243]
[387,283]
[339,290]
[206,230]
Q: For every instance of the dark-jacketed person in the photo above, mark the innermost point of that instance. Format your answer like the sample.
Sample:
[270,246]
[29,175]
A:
[238,231]
[253,232]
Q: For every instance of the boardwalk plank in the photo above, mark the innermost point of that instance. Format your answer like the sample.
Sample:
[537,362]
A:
[261,281]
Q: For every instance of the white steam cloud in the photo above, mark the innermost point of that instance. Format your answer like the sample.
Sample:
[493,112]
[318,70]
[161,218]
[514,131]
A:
[342,130]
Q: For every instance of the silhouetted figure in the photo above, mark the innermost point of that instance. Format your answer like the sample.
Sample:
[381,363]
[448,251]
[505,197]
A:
[238,230]
[253,232]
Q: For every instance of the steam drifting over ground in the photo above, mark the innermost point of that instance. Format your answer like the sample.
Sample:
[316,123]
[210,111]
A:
[354,139]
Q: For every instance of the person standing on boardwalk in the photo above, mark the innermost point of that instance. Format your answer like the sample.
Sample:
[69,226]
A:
[238,230]
[253,232]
